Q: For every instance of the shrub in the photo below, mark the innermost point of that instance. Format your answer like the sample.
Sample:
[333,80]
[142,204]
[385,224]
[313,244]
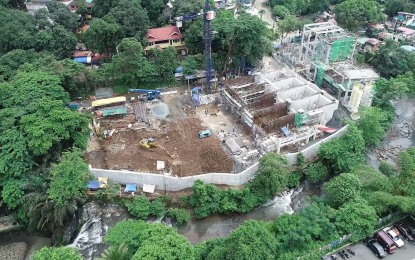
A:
[139,207]
[157,208]
[180,215]
[316,172]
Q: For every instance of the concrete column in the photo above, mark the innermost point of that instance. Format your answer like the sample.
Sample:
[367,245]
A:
[315,133]
[294,138]
[308,135]
[278,145]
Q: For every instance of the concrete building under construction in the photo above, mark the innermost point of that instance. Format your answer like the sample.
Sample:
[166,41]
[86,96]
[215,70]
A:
[280,108]
[326,56]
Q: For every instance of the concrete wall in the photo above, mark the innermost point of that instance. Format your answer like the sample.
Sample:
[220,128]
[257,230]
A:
[175,184]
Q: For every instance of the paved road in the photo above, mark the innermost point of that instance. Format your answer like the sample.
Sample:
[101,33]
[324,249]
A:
[407,252]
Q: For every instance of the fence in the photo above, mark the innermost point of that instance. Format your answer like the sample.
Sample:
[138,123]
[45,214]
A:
[175,183]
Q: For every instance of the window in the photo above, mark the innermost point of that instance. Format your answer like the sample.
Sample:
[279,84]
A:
[176,40]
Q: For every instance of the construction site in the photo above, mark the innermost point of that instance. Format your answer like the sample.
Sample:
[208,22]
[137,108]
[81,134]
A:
[326,56]
[185,132]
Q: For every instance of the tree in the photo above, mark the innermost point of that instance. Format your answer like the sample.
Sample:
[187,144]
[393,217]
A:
[288,25]
[372,123]
[12,193]
[11,61]
[271,177]
[205,199]
[53,128]
[316,172]
[157,208]
[280,11]
[57,41]
[194,37]
[102,37]
[42,19]
[343,153]
[155,10]
[161,242]
[246,39]
[61,14]
[69,177]
[342,189]
[318,6]
[102,7]
[180,215]
[193,63]
[356,217]
[182,7]
[126,232]
[139,207]
[203,250]
[352,14]
[252,240]
[386,169]
[132,19]
[57,253]
[165,63]
[129,66]
[119,252]
[17,30]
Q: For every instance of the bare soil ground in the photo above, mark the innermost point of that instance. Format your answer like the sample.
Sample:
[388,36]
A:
[193,155]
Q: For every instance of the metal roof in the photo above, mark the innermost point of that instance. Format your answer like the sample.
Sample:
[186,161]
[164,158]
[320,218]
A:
[361,74]
[107,101]
[115,111]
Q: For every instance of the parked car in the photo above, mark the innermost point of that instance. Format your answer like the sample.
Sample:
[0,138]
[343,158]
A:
[385,241]
[405,231]
[375,247]
[394,234]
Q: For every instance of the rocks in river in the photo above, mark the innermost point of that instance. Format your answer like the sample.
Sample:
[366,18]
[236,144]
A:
[14,251]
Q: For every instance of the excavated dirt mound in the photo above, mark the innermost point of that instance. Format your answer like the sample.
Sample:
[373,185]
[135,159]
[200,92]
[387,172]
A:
[194,155]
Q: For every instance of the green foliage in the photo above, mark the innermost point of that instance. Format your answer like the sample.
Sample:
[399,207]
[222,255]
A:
[102,7]
[193,63]
[386,169]
[42,19]
[352,14]
[165,62]
[288,25]
[342,189]
[57,41]
[69,177]
[180,215]
[52,124]
[12,193]
[126,232]
[155,9]
[301,160]
[294,179]
[109,193]
[345,152]
[246,39]
[184,201]
[102,37]
[61,14]
[205,199]
[182,7]
[157,208]
[280,11]
[356,217]
[57,253]
[119,252]
[252,240]
[161,242]
[139,207]
[203,250]
[194,38]
[271,177]
[316,172]
[129,66]
[17,30]
[392,7]
[390,60]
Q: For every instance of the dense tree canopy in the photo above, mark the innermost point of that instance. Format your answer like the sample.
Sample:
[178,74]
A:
[102,37]
[57,253]
[61,14]
[56,40]
[342,189]
[182,7]
[352,14]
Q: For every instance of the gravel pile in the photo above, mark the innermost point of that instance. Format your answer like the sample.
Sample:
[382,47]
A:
[14,251]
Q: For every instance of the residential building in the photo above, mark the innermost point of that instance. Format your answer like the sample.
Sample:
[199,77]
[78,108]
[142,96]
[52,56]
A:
[164,37]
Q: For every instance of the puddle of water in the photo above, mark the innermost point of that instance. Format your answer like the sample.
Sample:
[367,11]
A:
[34,243]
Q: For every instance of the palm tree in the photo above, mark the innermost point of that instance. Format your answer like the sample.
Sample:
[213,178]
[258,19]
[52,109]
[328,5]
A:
[41,211]
[119,252]
[261,12]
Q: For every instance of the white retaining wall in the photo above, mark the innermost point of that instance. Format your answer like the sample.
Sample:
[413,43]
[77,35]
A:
[175,184]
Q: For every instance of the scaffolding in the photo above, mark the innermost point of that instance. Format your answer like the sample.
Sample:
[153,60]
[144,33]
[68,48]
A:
[341,49]
[299,119]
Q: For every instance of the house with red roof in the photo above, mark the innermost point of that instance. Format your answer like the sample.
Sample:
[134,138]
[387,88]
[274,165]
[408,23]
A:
[164,37]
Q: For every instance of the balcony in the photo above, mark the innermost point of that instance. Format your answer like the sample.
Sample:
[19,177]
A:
[165,44]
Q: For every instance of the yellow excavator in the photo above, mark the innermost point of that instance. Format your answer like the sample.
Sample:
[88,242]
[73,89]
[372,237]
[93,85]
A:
[150,143]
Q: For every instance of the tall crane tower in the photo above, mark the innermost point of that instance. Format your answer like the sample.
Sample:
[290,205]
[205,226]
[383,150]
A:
[208,16]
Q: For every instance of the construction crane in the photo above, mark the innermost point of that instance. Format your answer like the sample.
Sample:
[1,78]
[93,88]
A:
[208,16]
[151,142]
[150,94]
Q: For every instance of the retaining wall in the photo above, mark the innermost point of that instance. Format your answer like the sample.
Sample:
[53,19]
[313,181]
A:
[175,184]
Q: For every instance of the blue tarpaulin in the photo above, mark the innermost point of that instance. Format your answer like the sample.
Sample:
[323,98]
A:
[179,70]
[285,131]
[93,185]
[195,98]
[196,88]
[81,59]
[130,188]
